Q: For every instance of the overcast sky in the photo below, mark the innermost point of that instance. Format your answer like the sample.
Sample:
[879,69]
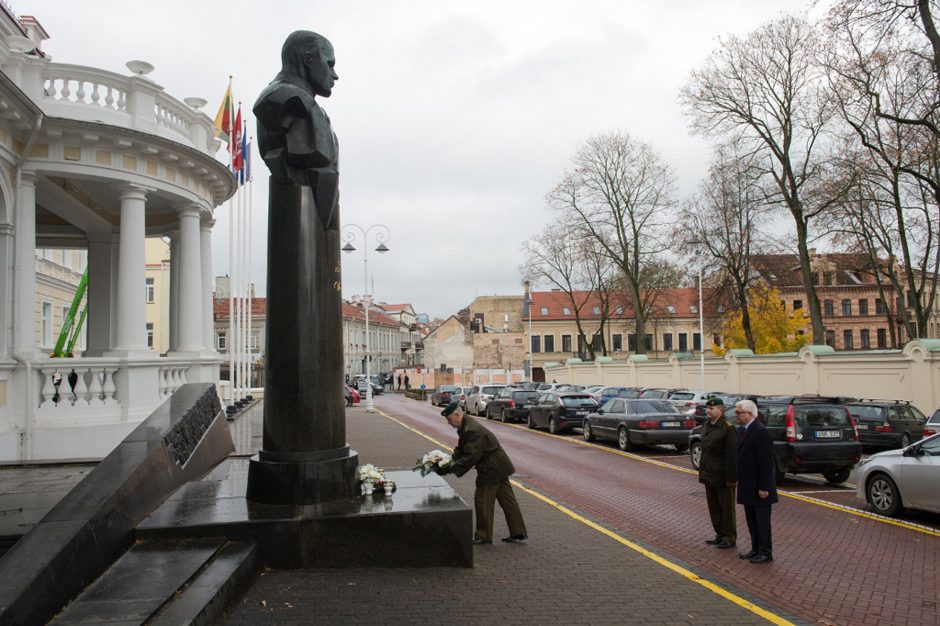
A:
[454,118]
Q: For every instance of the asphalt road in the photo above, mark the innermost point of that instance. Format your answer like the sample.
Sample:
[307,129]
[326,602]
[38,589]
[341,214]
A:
[835,562]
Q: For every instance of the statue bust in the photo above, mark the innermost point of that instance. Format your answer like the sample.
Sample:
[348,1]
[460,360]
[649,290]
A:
[294,134]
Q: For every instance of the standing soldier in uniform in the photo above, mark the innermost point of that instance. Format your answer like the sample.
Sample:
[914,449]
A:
[718,471]
[478,447]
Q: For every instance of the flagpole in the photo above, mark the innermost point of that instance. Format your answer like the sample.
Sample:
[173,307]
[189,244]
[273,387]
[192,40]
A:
[246,160]
[232,342]
[243,274]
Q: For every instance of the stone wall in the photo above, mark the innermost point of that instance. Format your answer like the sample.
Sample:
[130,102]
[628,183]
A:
[499,350]
[912,373]
[496,310]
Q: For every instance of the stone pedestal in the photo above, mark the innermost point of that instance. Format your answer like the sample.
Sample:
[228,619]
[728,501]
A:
[302,478]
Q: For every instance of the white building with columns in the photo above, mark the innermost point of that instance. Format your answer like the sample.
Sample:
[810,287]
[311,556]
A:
[98,161]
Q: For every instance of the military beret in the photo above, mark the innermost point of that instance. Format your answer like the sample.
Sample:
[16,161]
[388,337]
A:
[714,401]
[450,408]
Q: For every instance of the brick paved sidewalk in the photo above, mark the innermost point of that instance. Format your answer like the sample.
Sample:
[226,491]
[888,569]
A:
[566,574]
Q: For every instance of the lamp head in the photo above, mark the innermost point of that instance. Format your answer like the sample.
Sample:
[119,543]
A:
[382,248]
[348,247]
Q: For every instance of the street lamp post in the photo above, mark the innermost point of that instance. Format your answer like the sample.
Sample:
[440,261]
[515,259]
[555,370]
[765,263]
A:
[529,353]
[701,318]
[381,235]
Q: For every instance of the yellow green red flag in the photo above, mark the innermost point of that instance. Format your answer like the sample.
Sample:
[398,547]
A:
[223,119]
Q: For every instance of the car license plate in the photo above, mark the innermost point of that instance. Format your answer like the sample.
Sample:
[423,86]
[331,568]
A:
[582,413]
[862,426]
[828,434]
[671,424]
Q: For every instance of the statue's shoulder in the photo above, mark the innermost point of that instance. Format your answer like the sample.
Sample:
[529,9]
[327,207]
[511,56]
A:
[280,97]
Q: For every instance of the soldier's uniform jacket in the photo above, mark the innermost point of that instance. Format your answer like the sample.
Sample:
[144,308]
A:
[478,447]
[718,465]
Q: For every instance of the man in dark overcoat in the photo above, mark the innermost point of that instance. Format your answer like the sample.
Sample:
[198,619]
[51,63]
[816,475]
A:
[757,484]
[478,447]
[718,471]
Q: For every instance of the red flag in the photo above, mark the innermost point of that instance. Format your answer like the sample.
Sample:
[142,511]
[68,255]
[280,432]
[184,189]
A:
[237,160]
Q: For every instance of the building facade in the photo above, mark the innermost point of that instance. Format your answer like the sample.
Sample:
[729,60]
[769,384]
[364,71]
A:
[96,161]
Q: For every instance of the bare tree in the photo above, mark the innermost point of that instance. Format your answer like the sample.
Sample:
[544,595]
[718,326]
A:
[618,191]
[724,218]
[766,88]
[890,101]
[555,259]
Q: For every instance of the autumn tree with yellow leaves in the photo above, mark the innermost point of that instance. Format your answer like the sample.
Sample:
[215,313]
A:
[774,329]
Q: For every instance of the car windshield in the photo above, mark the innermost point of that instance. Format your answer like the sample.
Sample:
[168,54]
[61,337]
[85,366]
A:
[525,396]
[491,391]
[653,406]
[821,416]
[681,395]
[865,412]
[576,401]
[628,393]
[448,388]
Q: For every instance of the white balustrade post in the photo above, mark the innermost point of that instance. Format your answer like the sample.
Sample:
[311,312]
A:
[208,330]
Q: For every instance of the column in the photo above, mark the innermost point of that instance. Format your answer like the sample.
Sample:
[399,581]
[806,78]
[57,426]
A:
[131,302]
[6,280]
[24,266]
[190,332]
[208,320]
[174,291]
[102,272]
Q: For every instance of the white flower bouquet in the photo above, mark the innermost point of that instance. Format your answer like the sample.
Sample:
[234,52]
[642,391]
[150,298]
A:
[370,473]
[432,461]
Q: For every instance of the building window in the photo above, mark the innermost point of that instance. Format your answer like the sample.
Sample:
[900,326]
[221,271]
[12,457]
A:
[828,278]
[566,343]
[544,310]
[846,307]
[46,325]
[667,341]
[148,288]
[631,342]
[149,335]
[256,342]
[536,344]
[618,342]
[882,338]
[797,305]
[671,309]
[619,310]
[864,336]
[597,310]
[220,341]
[879,307]
[863,306]
[693,308]
[549,343]
[831,338]
[716,340]
[815,278]
[848,342]
[597,343]
[683,342]
[696,341]
[566,311]
[581,346]
[648,340]
[828,308]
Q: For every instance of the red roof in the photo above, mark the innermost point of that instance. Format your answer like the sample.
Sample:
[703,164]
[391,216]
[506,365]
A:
[395,308]
[259,308]
[679,303]
[352,312]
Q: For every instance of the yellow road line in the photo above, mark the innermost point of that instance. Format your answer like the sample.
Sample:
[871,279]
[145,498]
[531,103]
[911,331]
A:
[678,569]
[787,494]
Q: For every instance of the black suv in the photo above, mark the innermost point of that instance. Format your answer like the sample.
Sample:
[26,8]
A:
[511,404]
[887,424]
[811,434]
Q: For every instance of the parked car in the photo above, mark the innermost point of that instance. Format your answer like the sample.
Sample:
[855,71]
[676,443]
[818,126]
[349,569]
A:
[511,404]
[630,392]
[687,401]
[569,388]
[812,434]
[907,478]
[593,390]
[604,394]
[442,395]
[351,395]
[887,424]
[932,427]
[729,399]
[639,422]
[560,410]
[460,395]
[656,393]
[478,397]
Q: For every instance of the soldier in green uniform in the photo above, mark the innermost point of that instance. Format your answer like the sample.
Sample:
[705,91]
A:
[718,471]
[478,447]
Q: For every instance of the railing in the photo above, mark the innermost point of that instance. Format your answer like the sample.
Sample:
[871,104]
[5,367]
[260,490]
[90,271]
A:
[72,83]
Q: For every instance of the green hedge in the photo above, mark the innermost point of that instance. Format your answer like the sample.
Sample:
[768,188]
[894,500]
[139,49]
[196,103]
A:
[419,394]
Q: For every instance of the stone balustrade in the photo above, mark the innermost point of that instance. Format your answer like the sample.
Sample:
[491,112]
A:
[96,95]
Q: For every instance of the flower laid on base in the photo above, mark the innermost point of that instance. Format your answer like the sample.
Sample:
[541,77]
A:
[385,484]
[433,461]
[370,472]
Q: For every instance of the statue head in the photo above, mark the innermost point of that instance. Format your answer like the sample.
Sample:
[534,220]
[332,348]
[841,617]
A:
[309,56]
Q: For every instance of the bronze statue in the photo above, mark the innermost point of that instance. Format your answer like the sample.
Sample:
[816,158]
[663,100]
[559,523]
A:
[304,457]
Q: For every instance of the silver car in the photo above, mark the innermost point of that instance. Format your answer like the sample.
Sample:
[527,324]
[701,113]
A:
[910,477]
[478,397]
